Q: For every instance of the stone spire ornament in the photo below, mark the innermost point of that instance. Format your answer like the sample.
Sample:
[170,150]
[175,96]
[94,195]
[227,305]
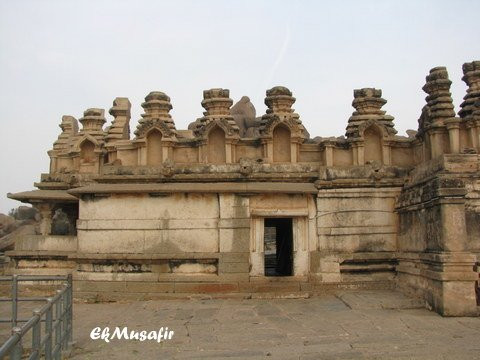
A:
[217,103]
[120,128]
[92,123]
[439,105]
[368,103]
[471,76]
[157,108]
[69,126]
[279,101]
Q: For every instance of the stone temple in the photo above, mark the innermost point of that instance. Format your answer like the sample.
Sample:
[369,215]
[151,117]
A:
[240,204]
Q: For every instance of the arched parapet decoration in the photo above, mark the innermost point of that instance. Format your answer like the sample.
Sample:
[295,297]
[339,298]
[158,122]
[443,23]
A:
[225,140]
[373,143]
[273,151]
[87,153]
[216,145]
[281,137]
[231,132]
[154,147]
[84,137]
[293,124]
[381,129]
[166,141]
[156,124]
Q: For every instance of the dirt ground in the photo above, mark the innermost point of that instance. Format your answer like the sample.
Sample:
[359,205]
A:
[353,325]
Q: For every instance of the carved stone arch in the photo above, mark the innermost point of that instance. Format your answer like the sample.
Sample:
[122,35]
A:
[296,129]
[230,131]
[152,124]
[382,130]
[216,144]
[81,139]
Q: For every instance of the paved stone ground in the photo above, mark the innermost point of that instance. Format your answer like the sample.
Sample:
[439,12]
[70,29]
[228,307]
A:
[352,325]
[363,325]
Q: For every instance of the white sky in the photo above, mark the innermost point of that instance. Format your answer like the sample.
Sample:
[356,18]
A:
[62,57]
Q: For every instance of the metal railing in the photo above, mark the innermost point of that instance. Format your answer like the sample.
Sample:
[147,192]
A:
[57,314]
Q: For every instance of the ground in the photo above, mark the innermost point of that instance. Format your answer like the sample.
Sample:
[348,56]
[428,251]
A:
[352,325]
[379,325]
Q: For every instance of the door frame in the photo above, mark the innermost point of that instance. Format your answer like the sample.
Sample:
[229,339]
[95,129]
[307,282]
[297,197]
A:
[300,241]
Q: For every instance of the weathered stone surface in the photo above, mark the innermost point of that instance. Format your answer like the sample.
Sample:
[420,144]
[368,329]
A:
[235,199]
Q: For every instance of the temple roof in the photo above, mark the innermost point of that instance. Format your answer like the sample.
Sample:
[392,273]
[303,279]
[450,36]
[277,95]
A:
[42,195]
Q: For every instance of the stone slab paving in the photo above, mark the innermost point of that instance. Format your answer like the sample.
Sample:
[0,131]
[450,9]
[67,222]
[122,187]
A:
[351,325]
[360,325]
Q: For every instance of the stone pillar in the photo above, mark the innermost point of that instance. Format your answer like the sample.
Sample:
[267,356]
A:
[477,125]
[360,154]
[386,153]
[165,151]
[234,237]
[257,261]
[45,210]
[53,163]
[453,127]
[269,146]
[228,153]
[355,154]
[328,154]
[142,155]
[472,135]
[435,142]
[293,151]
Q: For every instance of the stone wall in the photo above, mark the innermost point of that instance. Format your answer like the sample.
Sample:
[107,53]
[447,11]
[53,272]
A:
[357,234]
[434,258]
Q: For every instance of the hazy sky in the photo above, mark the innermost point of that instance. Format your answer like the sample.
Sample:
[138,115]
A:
[62,57]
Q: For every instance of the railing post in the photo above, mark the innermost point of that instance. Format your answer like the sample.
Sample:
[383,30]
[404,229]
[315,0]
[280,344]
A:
[49,330]
[65,318]
[16,353]
[70,308]
[36,334]
[14,300]
[58,328]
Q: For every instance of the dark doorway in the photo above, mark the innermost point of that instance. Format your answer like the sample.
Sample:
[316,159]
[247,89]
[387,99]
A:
[278,242]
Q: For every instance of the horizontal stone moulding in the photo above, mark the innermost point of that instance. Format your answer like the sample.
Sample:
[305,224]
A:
[355,230]
[215,187]
[150,224]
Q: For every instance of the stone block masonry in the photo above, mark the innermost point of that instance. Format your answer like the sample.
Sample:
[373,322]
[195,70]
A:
[176,213]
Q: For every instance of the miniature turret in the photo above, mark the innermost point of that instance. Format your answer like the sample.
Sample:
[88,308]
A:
[471,76]
[120,128]
[368,103]
[279,101]
[92,123]
[439,105]
[157,108]
[470,107]
[217,104]
[69,128]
